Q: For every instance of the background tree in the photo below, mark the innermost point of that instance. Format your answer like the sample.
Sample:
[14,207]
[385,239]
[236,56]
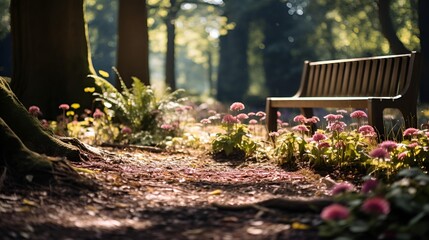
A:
[233,73]
[423,22]
[102,19]
[174,18]
[5,40]
[50,54]
[133,41]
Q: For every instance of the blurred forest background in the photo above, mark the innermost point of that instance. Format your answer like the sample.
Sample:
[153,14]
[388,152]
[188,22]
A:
[246,50]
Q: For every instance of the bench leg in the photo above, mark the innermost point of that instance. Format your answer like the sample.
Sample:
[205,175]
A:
[271,117]
[375,119]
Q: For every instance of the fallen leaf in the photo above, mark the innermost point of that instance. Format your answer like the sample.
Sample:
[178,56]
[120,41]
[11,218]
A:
[300,226]
[121,205]
[230,219]
[29,202]
[216,192]
[254,231]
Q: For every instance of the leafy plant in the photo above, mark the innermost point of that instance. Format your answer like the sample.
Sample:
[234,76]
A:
[236,139]
[139,108]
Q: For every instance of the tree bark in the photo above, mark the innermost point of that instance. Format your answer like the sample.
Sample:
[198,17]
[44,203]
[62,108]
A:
[133,42]
[18,130]
[28,129]
[170,68]
[387,28]
[50,54]
[233,74]
[422,9]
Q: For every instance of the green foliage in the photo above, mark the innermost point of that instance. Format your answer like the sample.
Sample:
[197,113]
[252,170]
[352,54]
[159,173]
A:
[139,108]
[400,210]
[236,141]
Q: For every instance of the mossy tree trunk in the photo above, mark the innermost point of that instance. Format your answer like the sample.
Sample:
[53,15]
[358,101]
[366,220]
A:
[26,148]
[51,60]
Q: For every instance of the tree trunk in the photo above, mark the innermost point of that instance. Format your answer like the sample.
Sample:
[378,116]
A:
[133,42]
[17,131]
[233,74]
[18,159]
[50,54]
[423,6]
[170,68]
[387,28]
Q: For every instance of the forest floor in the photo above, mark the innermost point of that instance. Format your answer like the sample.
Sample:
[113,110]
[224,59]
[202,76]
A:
[164,195]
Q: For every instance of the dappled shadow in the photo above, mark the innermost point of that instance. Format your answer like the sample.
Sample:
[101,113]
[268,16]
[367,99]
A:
[166,223]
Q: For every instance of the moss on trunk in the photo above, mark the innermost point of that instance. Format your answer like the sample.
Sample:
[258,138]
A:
[28,129]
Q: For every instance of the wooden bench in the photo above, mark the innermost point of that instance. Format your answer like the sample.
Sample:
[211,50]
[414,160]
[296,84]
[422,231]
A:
[372,83]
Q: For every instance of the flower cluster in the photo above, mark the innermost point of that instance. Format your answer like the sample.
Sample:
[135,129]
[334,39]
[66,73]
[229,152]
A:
[380,211]
[236,140]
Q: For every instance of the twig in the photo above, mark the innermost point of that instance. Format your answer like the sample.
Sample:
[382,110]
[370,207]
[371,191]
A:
[144,148]
[312,205]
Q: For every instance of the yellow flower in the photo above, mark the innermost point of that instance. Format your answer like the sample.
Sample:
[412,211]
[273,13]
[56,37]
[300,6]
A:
[103,73]
[89,89]
[70,113]
[75,105]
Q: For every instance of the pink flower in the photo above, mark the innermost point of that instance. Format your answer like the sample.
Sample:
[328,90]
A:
[242,116]
[273,134]
[253,122]
[228,118]
[388,145]
[237,106]
[376,205]
[379,153]
[301,128]
[34,110]
[333,117]
[321,145]
[64,106]
[168,127]
[367,130]
[337,126]
[279,114]
[260,114]
[300,119]
[412,145]
[318,137]
[251,114]
[205,121]
[285,124]
[97,114]
[358,114]
[335,212]
[369,185]
[342,188]
[402,155]
[126,130]
[313,119]
[410,132]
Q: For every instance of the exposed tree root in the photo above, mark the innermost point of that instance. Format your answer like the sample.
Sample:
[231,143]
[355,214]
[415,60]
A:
[144,148]
[299,205]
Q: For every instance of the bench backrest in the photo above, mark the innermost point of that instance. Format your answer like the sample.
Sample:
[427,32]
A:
[383,76]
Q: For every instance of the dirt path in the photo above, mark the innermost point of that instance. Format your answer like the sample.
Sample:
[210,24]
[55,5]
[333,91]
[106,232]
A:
[165,195]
